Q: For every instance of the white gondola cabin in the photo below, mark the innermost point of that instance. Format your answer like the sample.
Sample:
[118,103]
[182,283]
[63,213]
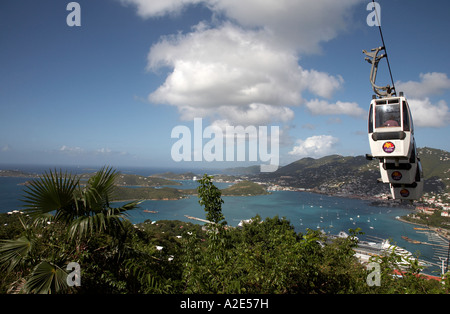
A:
[403,171]
[411,191]
[399,170]
[391,132]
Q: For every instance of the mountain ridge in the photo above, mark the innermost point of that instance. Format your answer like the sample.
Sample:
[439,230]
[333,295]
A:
[355,174]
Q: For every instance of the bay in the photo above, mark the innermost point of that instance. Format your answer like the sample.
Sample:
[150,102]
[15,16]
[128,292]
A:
[304,210]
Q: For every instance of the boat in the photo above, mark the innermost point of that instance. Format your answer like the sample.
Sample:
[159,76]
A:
[410,240]
[150,211]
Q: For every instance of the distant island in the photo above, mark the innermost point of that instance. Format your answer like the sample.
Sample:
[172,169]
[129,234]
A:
[137,180]
[244,188]
[175,176]
[122,193]
[17,174]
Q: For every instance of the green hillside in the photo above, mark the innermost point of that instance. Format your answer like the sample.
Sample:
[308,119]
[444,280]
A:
[357,175]
[245,188]
[123,179]
[435,163]
[175,176]
[147,193]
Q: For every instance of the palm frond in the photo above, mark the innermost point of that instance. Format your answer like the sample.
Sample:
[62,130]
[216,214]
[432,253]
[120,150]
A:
[46,278]
[109,220]
[85,209]
[100,187]
[13,252]
[143,276]
[52,192]
[42,220]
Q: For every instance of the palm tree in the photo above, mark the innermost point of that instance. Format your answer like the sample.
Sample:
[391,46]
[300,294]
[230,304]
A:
[81,209]
[84,208]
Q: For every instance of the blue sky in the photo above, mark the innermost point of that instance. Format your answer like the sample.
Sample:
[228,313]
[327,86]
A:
[111,90]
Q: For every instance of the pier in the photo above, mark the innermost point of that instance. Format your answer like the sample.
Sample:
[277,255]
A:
[199,219]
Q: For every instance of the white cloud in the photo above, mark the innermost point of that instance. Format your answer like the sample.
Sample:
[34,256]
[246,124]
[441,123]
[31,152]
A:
[224,66]
[156,8]
[243,66]
[314,146]
[322,84]
[323,107]
[233,73]
[256,114]
[79,151]
[430,84]
[103,150]
[425,114]
[298,24]
[71,150]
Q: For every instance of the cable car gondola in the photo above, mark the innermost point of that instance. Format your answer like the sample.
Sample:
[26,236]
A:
[391,131]
[411,191]
[391,134]
[401,172]
[395,170]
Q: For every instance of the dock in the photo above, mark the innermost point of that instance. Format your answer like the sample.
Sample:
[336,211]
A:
[199,219]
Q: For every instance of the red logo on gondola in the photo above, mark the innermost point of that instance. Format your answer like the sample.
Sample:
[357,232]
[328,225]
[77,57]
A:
[404,193]
[396,175]
[388,147]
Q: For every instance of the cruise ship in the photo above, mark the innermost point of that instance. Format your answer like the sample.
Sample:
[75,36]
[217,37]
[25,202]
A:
[367,249]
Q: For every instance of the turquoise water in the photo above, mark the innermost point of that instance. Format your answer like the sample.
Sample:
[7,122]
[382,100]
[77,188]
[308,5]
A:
[304,210]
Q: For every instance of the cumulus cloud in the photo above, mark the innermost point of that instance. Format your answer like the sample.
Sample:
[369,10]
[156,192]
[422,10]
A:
[298,24]
[256,114]
[233,72]
[430,84]
[425,112]
[156,8]
[323,107]
[314,146]
[224,66]
[243,66]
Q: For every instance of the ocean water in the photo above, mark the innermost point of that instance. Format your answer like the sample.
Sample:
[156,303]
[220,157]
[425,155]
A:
[303,209]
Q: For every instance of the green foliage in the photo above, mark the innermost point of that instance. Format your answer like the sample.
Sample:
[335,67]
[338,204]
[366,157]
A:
[264,256]
[46,277]
[210,198]
[433,220]
[10,225]
[66,217]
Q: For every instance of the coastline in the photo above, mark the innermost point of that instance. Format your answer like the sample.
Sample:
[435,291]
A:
[442,233]
[375,201]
